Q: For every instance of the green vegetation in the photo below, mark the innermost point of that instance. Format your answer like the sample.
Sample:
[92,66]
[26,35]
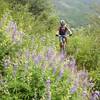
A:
[30,65]
[76,12]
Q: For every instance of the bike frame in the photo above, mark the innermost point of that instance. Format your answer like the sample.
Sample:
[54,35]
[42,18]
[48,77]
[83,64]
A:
[62,43]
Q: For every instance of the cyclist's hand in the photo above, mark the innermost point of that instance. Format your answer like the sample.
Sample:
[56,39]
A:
[56,34]
[70,34]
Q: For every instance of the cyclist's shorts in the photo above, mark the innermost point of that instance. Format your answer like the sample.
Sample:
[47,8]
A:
[62,38]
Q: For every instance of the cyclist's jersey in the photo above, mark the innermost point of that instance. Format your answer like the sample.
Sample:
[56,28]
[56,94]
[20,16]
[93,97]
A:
[63,30]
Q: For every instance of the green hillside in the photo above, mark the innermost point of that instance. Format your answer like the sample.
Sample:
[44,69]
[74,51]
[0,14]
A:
[75,12]
[32,66]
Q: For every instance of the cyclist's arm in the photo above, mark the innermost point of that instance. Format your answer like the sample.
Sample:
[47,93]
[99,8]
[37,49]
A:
[69,31]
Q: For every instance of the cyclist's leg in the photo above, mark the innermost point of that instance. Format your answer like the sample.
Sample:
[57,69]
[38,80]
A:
[61,43]
[64,45]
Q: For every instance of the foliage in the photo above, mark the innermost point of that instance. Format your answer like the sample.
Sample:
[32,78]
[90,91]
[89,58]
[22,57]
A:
[85,46]
[30,65]
[38,77]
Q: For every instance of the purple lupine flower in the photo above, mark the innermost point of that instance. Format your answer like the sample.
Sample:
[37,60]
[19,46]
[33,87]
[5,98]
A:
[14,37]
[38,59]
[33,56]
[43,66]
[27,54]
[62,57]
[54,70]
[84,93]
[49,54]
[65,65]
[48,89]
[61,73]
[83,74]
[72,63]
[95,95]
[51,64]
[13,26]
[85,83]
[73,89]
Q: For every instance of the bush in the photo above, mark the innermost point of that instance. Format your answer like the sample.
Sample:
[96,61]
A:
[84,47]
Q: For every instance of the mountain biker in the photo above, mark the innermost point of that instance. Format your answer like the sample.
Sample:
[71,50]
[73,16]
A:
[63,31]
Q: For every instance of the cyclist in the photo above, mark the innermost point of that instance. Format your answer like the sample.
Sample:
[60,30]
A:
[63,32]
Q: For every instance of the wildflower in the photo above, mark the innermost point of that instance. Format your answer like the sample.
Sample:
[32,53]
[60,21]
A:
[51,64]
[84,93]
[38,59]
[27,54]
[65,65]
[83,75]
[14,37]
[54,70]
[43,66]
[84,83]
[72,63]
[33,56]
[62,57]
[48,89]
[49,54]
[14,27]
[95,95]
[60,74]
[73,89]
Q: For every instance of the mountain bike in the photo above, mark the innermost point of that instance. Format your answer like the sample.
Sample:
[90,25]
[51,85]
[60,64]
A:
[62,43]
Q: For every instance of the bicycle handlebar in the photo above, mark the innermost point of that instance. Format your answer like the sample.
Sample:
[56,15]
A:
[63,35]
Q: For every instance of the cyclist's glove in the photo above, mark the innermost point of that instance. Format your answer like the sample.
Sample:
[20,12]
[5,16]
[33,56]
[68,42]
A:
[56,34]
[70,34]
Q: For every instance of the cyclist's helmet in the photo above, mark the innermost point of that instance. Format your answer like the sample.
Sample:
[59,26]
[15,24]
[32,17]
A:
[62,22]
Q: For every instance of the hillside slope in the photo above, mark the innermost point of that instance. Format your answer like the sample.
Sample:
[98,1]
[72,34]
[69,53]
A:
[75,12]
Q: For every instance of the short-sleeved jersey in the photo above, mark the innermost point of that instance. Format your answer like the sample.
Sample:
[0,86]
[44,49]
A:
[63,30]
